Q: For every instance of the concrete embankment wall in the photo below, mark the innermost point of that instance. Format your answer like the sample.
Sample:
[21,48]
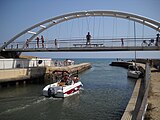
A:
[128,113]
[24,63]
[18,74]
[8,75]
[121,64]
[136,107]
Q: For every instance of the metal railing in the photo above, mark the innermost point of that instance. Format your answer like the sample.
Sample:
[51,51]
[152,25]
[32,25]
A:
[143,107]
[60,43]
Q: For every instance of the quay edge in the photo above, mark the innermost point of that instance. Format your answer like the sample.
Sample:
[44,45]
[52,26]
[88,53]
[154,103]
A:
[25,74]
[72,69]
[143,93]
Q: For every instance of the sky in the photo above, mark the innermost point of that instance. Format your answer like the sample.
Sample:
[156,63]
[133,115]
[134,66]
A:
[18,15]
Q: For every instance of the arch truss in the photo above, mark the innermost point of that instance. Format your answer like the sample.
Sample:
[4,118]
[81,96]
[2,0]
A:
[42,26]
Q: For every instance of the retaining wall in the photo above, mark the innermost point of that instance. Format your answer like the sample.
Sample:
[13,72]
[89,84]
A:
[136,107]
[9,75]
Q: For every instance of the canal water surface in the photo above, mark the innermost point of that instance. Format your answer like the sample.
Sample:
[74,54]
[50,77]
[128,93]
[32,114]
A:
[104,96]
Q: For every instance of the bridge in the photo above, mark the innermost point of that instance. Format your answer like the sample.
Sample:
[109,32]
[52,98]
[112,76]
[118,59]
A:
[18,43]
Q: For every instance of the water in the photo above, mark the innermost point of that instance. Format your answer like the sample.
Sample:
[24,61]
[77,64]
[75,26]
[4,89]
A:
[104,96]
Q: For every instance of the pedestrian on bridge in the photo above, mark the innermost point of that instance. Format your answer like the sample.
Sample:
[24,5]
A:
[55,43]
[42,39]
[122,42]
[157,40]
[37,42]
[88,37]
[27,43]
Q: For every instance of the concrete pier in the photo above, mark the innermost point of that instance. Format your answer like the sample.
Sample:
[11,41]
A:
[24,74]
[121,64]
[72,69]
[18,74]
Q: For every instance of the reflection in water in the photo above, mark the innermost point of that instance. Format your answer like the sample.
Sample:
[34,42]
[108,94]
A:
[105,94]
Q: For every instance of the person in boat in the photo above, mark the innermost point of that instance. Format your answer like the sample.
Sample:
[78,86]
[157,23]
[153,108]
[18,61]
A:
[75,79]
[66,79]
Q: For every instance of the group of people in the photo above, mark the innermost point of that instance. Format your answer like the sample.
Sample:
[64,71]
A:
[68,80]
[88,37]
[66,62]
[157,43]
[42,40]
[88,41]
[37,41]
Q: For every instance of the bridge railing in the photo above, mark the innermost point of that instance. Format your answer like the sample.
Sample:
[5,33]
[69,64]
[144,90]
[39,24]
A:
[144,102]
[117,42]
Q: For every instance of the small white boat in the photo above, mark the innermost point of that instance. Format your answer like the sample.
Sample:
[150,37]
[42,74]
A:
[65,87]
[133,72]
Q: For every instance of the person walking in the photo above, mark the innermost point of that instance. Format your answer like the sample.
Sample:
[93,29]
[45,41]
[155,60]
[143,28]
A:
[122,42]
[88,37]
[42,39]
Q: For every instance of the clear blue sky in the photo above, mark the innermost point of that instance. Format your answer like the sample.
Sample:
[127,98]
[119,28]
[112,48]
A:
[17,15]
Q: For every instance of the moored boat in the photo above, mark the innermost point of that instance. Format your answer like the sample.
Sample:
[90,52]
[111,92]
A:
[133,72]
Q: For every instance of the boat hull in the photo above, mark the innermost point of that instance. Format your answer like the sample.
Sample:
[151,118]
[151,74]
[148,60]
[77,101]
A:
[54,90]
[134,74]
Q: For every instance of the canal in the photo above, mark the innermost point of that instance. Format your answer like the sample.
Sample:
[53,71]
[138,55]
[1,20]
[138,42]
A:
[104,96]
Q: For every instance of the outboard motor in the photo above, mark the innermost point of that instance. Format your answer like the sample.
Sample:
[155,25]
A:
[51,92]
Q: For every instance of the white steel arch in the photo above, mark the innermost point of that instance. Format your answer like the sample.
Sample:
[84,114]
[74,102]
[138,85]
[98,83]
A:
[56,20]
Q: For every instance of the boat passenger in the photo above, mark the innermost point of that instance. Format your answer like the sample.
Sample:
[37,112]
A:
[65,78]
[75,79]
[69,82]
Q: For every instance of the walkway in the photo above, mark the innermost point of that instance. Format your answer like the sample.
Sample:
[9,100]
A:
[153,111]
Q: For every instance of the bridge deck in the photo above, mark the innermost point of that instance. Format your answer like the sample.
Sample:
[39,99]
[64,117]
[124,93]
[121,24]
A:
[89,45]
[84,49]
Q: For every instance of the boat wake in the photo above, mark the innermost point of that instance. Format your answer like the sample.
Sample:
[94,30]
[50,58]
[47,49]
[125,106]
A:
[14,109]
[32,101]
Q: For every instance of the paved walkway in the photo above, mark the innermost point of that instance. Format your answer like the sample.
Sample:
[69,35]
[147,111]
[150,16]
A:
[128,113]
[153,111]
